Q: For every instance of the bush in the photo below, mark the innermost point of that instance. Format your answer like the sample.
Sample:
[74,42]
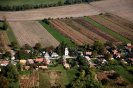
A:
[125,83]
[105,81]
[46,21]
[115,75]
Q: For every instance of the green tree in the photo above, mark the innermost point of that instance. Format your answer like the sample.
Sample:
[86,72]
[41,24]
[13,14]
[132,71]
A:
[46,21]
[60,3]
[19,66]
[27,47]
[69,2]
[107,56]
[5,25]
[1,50]
[97,45]
[38,46]
[7,54]
[94,53]
[4,82]
[14,45]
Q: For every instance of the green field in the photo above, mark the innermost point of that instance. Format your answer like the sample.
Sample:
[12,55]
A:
[11,36]
[22,2]
[124,74]
[56,34]
[1,26]
[107,30]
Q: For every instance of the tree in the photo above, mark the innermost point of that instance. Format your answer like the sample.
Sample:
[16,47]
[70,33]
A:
[105,81]
[5,25]
[94,53]
[1,50]
[60,3]
[4,18]
[69,2]
[38,46]
[7,54]
[19,66]
[46,21]
[1,8]
[107,56]
[97,45]
[14,45]
[102,50]
[4,82]
[115,75]
[27,47]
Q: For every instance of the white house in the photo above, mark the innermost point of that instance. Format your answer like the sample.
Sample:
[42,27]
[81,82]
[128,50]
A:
[54,54]
[4,63]
[66,51]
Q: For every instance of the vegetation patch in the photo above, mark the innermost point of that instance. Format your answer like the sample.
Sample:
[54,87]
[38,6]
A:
[57,34]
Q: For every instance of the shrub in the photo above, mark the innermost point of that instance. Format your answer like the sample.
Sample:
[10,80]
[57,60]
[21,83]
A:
[125,83]
[115,75]
[46,21]
[105,81]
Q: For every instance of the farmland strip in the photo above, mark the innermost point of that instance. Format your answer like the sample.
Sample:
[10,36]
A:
[59,28]
[105,36]
[112,27]
[118,21]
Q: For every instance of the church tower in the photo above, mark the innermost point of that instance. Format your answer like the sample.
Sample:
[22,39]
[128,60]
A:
[66,51]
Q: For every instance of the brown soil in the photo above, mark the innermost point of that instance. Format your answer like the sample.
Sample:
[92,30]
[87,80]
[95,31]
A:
[118,21]
[70,33]
[112,27]
[4,41]
[32,32]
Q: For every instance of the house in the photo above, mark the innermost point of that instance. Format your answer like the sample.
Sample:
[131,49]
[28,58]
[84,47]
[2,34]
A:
[122,60]
[50,52]
[12,57]
[80,52]
[26,67]
[66,51]
[114,51]
[129,44]
[66,65]
[88,53]
[102,60]
[46,55]
[13,62]
[23,62]
[4,63]
[28,51]
[54,54]
[29,61]
[131,60]
[112,57]
[43,67]
[39,60]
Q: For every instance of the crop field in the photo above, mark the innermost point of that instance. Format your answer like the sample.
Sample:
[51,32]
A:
[118,21]
[4,41]
[32,32]
[112,27]
[69,32]
[22,2]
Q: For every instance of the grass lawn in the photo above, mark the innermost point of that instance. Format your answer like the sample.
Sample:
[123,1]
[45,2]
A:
[11,36]
[14,85]
[1,26]
[58,67]
[22,2]
[115,24]
[124,74]
[107,30]
[56,34]
[24,72]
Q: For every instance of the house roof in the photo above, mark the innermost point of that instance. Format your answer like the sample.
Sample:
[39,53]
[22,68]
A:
[44,67]
[88,53]
[54,53]
[129,44]
[4,62]
[23,61]
[41,59]
[30,60]
[46,55]
[27,67]
[114,51]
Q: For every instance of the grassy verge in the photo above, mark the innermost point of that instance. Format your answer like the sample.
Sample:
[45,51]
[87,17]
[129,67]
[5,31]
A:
[11,36]
[107,30]
[115,24]
[56,34]
[124,74]
[58,67]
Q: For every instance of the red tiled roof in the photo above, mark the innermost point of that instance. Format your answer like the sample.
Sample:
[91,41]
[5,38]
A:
[4,62]
[44,67]
[129,44]
[39,60]
[114,51]
[89,53]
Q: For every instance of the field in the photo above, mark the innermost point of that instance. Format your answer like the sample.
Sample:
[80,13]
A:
[32,32]
[57,34]
[69,32]
[112,27]
[22,2]
[4,41]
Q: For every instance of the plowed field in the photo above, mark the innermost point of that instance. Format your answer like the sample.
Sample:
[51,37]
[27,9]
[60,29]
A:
[102,35]
[70,33]
[32,32]
[4,41]
[118,21]
[112,27]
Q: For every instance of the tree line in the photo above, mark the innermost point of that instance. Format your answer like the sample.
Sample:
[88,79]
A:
[29,6]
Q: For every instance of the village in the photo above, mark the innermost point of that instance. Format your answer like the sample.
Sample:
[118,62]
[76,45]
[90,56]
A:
[111,55]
